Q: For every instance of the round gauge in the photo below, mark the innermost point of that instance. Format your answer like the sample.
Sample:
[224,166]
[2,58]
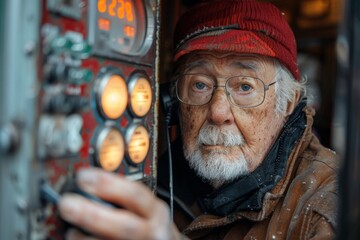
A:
[112,95]
[138,142]
[123,26]
[140,95]
[110,149]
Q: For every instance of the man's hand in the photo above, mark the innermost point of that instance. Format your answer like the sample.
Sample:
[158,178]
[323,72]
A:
[142,215]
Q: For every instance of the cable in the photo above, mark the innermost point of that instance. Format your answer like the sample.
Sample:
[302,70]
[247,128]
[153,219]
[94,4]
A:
[164,194]
[167,121]
[168,106]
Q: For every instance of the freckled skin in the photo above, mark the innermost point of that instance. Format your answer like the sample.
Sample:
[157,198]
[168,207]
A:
[259,125]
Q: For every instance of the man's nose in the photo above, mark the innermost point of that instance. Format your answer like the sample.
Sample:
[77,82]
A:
[220,108]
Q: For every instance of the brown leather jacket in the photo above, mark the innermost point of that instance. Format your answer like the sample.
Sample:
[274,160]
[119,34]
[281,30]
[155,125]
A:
[303,204]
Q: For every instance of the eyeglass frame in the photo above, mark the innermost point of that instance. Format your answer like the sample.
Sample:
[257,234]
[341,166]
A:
[228,94]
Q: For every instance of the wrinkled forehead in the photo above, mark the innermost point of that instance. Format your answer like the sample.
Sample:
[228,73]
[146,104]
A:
[210,59]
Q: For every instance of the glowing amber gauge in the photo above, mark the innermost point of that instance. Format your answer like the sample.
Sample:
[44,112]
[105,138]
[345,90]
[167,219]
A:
[140,95]
[138,143]
[110,149]
[112,96]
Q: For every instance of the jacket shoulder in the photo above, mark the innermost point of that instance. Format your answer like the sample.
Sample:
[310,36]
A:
[316,186]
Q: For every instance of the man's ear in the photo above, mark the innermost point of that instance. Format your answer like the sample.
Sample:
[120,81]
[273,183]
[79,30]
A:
[291,105]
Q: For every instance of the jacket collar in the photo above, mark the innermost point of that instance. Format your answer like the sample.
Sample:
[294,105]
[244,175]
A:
[272,197]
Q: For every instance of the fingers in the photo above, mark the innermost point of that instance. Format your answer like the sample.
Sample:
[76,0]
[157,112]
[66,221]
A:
[142,215]
[133,196]
[100,220]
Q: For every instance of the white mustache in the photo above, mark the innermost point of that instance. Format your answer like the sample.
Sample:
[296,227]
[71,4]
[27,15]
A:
[213,135]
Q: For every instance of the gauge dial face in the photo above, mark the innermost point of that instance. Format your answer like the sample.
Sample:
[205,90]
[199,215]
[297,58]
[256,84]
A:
[110,149]
[138,144]
[112,96]
[140,95]
[122,25]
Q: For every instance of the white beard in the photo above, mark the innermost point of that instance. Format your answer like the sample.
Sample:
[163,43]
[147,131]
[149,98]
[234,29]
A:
[219,166]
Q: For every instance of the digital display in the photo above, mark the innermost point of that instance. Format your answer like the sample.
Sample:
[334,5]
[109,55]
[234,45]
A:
[104,24]
[122,9]
[122,26]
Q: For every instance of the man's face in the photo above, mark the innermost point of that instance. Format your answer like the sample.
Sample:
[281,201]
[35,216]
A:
[223,141]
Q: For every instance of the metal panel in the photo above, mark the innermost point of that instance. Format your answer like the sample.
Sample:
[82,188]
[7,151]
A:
[48,73]
[18,90]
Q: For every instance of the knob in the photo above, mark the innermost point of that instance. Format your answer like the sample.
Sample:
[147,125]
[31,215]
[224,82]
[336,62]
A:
[9,139]
[65,104]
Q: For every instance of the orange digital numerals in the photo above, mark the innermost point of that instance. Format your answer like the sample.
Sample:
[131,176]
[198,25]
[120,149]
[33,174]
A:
[121,9]
[104,24]
[129,31]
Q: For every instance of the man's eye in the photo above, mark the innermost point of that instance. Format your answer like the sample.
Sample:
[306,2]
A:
[200,85]
[245,87]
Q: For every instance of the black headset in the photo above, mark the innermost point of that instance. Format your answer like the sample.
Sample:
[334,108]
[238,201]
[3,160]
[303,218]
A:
[170,104]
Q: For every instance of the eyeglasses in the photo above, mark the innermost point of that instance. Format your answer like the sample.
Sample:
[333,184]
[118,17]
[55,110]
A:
[241,91]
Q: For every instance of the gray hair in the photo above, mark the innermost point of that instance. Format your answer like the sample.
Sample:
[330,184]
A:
[287,87]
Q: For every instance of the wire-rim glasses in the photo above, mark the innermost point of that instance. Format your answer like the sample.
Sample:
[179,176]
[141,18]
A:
[241,91]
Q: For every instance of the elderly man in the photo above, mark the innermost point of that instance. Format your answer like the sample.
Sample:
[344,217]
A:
[251,167]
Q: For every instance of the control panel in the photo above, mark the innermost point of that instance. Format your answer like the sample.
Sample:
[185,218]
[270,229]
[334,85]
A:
[94,101]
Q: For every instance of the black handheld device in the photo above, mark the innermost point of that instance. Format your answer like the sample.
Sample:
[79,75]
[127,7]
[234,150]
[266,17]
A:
[49,195]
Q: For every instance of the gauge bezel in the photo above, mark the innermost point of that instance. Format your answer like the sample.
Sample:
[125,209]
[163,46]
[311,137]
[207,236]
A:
[133,79]
[99,140]
[100,84]
[128,135]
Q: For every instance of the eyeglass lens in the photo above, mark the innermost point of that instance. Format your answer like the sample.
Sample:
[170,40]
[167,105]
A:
[197,89]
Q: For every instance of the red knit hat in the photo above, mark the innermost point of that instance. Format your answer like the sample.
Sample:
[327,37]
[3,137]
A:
[243,26]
